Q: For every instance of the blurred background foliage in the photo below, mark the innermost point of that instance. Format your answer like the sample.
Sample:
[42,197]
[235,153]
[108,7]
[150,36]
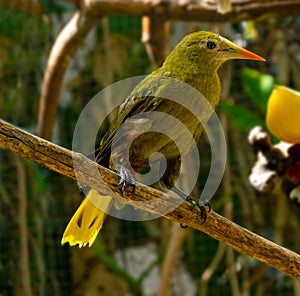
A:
[258,87]
[36,204]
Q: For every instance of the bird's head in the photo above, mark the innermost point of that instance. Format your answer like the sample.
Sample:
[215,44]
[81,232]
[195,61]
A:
[207,49]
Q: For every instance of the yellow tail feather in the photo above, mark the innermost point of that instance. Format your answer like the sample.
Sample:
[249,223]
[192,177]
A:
[87,220]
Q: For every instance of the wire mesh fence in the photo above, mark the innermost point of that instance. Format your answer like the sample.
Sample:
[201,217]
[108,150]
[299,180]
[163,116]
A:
[128,257]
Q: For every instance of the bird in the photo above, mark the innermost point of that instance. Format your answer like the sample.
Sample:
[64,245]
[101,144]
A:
[195,61]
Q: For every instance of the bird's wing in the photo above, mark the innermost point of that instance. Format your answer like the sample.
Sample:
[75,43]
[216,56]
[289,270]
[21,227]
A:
[141,99]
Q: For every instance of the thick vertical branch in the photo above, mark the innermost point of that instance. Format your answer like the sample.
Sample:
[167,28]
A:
[64,47]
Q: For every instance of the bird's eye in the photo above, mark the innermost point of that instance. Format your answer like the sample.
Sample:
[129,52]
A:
[211,45]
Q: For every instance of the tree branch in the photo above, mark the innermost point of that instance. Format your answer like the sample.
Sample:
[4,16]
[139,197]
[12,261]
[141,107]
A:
[61,160]
[205,11]
[28,6]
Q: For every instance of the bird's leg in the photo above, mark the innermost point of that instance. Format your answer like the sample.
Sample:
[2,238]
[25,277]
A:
[122,147]
[126,178]
[201,204]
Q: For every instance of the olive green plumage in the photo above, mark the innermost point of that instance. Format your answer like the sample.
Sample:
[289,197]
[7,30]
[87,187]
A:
[195,61]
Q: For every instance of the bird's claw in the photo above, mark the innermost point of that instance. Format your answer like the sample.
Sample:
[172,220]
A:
[201,205]
[125,178]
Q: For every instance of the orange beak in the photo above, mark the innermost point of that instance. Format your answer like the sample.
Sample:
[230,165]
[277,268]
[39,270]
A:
[248,55]
[236,52]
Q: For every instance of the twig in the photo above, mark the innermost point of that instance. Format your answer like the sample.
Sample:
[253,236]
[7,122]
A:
[155,31]
[61,160]
[174,246]
[210,270]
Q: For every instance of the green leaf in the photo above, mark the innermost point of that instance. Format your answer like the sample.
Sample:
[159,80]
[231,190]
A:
[258,87]
[242,117]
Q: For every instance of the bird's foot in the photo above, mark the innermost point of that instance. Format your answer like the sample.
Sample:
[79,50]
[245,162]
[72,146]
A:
[126,178]
[201,204]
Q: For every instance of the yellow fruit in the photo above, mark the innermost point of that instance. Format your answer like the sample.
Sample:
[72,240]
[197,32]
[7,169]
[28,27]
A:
[283,114]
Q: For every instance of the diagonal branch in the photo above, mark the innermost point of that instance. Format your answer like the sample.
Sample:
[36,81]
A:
[61,160]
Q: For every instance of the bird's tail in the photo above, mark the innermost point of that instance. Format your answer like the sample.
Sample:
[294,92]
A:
[87,220]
